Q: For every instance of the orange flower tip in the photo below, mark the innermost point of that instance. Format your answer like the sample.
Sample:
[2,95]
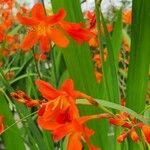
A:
[134,135]
[122,137]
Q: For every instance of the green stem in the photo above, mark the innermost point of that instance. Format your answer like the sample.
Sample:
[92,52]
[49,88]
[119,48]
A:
[98,23]
[36,64]
[18,121]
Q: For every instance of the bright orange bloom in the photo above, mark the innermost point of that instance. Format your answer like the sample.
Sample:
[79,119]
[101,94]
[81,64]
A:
[21,97]
[55,113]
[127,17]
[77,131]
[1,124]
[43,29]
[60,102]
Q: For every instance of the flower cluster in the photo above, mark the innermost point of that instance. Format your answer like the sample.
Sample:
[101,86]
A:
[130,125]
[59,113]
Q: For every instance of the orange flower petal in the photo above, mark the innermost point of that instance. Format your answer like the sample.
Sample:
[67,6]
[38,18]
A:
[44,44]
[38,11]
[57,17]
[26,20]
[46,90]
[47,125]
[58,38]
[61,132]
[29,40]
[74,142]
[68,86]
[76,31]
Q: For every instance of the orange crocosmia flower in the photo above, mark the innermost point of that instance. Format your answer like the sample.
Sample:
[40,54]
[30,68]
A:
[55,113]
[1,124]
[127,17]
[77,131]
[43,29]
[65,92]
[146,131]
[21,97]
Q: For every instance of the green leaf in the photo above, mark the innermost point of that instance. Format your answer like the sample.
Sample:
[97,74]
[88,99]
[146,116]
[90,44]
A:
[13,135]
[80,67]
[137,81]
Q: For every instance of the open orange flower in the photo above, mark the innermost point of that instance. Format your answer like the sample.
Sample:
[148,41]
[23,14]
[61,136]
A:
[1,124]
[43,28]
[60,102]
[76,131]
[56,113]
